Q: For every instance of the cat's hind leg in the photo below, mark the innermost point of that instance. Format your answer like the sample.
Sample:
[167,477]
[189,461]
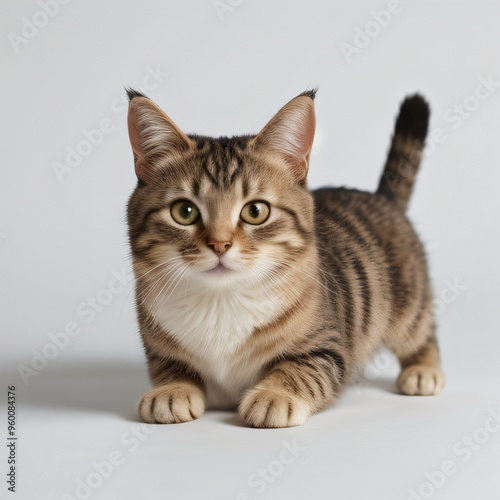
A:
[421,373]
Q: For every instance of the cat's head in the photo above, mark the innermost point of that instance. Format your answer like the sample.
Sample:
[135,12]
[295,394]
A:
[220,210]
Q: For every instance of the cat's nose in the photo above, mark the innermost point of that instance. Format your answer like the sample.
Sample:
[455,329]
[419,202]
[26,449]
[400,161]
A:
[219,247]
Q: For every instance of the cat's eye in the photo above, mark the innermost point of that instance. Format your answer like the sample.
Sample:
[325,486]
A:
[255,212]
[184,212]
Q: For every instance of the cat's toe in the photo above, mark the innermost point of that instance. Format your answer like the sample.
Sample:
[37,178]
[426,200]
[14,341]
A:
[267,408]
[172,404]
[421,380]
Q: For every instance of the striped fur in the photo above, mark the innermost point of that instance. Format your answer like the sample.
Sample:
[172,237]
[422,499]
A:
[279,322]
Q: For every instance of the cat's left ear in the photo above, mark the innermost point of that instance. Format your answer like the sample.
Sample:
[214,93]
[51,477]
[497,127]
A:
[290,134]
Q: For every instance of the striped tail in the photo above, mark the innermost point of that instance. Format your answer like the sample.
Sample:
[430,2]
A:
[406,151]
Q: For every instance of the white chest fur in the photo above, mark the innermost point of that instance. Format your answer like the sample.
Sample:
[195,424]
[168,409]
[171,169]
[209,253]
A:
[212,324]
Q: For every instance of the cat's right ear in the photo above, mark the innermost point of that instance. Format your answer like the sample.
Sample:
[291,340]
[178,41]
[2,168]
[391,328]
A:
[153,135]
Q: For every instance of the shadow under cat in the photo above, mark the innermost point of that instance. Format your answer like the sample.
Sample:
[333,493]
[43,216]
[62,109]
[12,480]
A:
[97,386]
[112,387]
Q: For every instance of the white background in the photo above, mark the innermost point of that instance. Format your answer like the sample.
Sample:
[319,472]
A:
[224,73]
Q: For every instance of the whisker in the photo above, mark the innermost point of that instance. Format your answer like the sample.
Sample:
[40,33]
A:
[160,276]
[317,281]
[173,268]
[175,279]
[178,281]
[172,259]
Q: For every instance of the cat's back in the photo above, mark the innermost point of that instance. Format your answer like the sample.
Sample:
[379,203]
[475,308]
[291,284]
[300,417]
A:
[371,260]
[363,221]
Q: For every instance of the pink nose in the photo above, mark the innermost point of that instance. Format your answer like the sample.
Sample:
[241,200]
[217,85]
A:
[219,247]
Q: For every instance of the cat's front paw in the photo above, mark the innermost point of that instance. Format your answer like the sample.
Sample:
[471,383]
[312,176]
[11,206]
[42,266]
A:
[171,404]
[263,407]
[421,380]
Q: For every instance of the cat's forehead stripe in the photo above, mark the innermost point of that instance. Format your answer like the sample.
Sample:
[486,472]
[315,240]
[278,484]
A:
[208,172]
[222,160]
[196,187]
[245,186]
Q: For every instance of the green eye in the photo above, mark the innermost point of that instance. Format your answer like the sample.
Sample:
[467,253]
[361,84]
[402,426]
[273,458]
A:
[255,212]
[184,212]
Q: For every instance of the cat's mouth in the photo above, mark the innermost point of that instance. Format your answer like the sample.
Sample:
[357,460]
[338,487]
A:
[220,268]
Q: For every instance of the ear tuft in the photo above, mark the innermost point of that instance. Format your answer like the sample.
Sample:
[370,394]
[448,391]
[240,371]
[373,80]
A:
[289,134]
[310,93]
[131,93]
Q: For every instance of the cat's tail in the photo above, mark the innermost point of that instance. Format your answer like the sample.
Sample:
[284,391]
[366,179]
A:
[406,151]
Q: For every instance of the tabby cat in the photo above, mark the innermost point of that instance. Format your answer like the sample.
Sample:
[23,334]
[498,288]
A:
[253,292]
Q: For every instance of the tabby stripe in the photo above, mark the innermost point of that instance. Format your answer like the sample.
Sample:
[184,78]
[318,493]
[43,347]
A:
[269,230]
[214,154]
[169,232]
[335,360]
[224,166]
[399,290]
[289,380]
[207,172]
[143,250]
[286,316]
[305,234]
[344,287]
[309,388]
[341,221]
[333,357]
[320,386]
[365,291]
[369,226]
[245,187]
[237,171]
[431,338]
[293,253]
[142,227]
[200,144]
[173,367]
[196,187]
[419,313]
